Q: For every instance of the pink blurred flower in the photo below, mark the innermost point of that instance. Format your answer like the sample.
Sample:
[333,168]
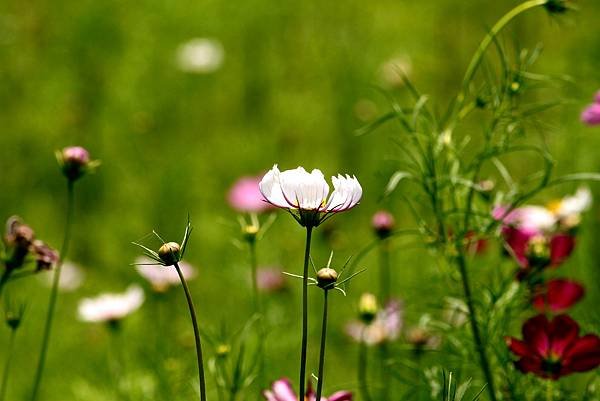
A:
[163,277]
[245,196]
[383,223]
[386,326]
[71,277]
[282,390]
[270,279]
[591,114]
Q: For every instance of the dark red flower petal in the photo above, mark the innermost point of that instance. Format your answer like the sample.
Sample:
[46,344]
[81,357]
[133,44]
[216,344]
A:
[530,365]
[563,332]
[584,354]
[558,296]
[535,334]
[518,347]
[341,396]
[516,242]
[561,247]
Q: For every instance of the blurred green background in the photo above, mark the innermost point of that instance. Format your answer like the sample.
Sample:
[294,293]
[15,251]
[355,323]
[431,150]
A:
[296,80]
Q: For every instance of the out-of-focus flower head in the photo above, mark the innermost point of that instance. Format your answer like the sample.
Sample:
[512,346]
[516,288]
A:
[568,210]
[385,327]
[282,390]
[13,313]
[45,257]
[591,114]
[270,279]
[111,307]
[18,234]
[421,336]
[455,312]
[394,70]
[552,349]
[305,195]
[200,56]
[162,279]
[557,295]
[383,223]
[245,196]
[75,162]
[71,277]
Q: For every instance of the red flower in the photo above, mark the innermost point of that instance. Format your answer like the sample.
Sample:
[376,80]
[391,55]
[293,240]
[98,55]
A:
[552,349]
[558,295]
[538,250]
[561,247]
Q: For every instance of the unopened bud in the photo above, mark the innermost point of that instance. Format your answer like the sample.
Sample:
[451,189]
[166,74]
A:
[250,232]
[367,308]
[326,278]
[74,161]
[169,253]
[223,350]
[383,223]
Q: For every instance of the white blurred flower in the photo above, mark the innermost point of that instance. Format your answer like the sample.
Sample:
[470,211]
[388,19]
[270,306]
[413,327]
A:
[574,204]
[393,70]
[529,219]
[71,277]
[308,192]
[163,277]
[111,307]
[200,55]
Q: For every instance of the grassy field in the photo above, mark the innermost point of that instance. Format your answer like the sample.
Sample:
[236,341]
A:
[296,81]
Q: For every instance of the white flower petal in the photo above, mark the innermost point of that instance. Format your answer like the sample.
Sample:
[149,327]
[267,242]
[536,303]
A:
[270,187]
[108,307]
[575,204]
[347,193]
[304,190]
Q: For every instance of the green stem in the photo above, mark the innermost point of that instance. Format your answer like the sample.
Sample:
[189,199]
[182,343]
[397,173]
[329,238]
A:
[253,267]
[323,342]
[190,303]
[549,391]
[362,369]
[54,292]
[5,277]
[480,348]
[488,40]
[302,384]
[6,373]
[385,282]
[257,310]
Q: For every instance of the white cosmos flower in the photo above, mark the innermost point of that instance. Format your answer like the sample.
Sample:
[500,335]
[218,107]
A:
[163,277]
[303,191]
[200,55]
[111,307]
[575,204]
[71,277]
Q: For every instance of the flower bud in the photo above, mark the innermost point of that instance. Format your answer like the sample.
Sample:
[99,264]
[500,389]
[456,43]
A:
[74,161]
[326,278]
[538,251]
[250,232]
[223,350]
[169,253]
[383,223]
[367,308]
[18,234]
[45,257]
[13,320]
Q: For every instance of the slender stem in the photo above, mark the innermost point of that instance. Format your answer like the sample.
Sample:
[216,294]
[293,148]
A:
[54,292]
[6,373]
[549,391]
[257,310]
[488,40]
[362,369]
[5,277]
[253,267]
[480,348]
[323,342]
[385,292]
[302,384]
[190,303]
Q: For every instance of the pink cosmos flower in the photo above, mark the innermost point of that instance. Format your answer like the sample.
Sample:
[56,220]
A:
[282,390]
[270,279]
[383,223]
[557,295]
[385,327]
[591,114]
[245,196]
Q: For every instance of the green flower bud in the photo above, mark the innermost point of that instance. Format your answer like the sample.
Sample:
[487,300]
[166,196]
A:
[367,308]
[169,253]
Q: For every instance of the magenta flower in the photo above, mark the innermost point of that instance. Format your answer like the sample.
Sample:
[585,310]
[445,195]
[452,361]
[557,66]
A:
[281,390]
[591,114]
[75,162]
[270,279]
[383,223]
[558,295]
[552,349]
[245,196]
